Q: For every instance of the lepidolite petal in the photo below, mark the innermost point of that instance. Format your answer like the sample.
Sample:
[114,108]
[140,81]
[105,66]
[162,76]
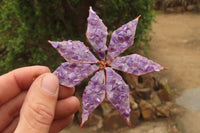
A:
[121,39]
[71,74]
[97,33]
[135,64]
[74,51]
[93,95]
[118,93]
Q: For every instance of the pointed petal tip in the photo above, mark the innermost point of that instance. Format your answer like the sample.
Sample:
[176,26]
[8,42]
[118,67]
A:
[81,126]
[138,17]
[165,68]
[128,121]
[129,124]
[91,10]
[49,41]
[54,44]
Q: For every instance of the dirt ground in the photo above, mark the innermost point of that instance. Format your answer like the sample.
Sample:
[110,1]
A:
[176,45]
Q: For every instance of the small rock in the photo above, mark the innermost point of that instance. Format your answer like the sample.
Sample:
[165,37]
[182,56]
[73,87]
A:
[144,93]
[163,84]
[106,107]
[135,112]
[164,109]
[134,94]
[147,110]
[94,120]
[147,81]
[155,99]
[180,9]
[176,110]
[134,105]
[113,121]
[170,10]
[156,84]
[135,115]
[191,7]
[164,90]
[163,95]
[131,80]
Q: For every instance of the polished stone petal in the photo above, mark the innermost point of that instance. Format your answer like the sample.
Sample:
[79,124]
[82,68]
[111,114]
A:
[97,33]
[121,39]
[74,51]
[136,65]
[93,95]
[118,93]
[71,74]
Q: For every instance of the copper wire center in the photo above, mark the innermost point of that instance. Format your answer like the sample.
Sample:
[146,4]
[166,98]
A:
[103,64]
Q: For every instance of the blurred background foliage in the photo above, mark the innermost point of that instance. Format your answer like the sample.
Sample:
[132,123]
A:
[27,25]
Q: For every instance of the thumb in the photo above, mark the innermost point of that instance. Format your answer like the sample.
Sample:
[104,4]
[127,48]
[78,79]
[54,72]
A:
[38,110]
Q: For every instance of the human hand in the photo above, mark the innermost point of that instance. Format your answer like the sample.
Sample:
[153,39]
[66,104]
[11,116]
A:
[39,106]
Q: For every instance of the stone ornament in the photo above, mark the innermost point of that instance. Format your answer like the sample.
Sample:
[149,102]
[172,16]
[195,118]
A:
[106,83]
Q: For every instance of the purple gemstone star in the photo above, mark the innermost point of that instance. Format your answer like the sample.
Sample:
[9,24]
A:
[105,83]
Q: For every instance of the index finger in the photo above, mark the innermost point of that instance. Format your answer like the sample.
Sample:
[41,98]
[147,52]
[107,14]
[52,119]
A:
[12,83]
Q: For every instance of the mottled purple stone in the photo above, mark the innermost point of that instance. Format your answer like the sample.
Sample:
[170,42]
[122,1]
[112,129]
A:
[71,74]
[97,33]
[135,64]
[93,94]
[121,39]
[118,93]
[74,51]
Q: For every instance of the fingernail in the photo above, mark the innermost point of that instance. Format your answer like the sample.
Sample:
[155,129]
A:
[50,83]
